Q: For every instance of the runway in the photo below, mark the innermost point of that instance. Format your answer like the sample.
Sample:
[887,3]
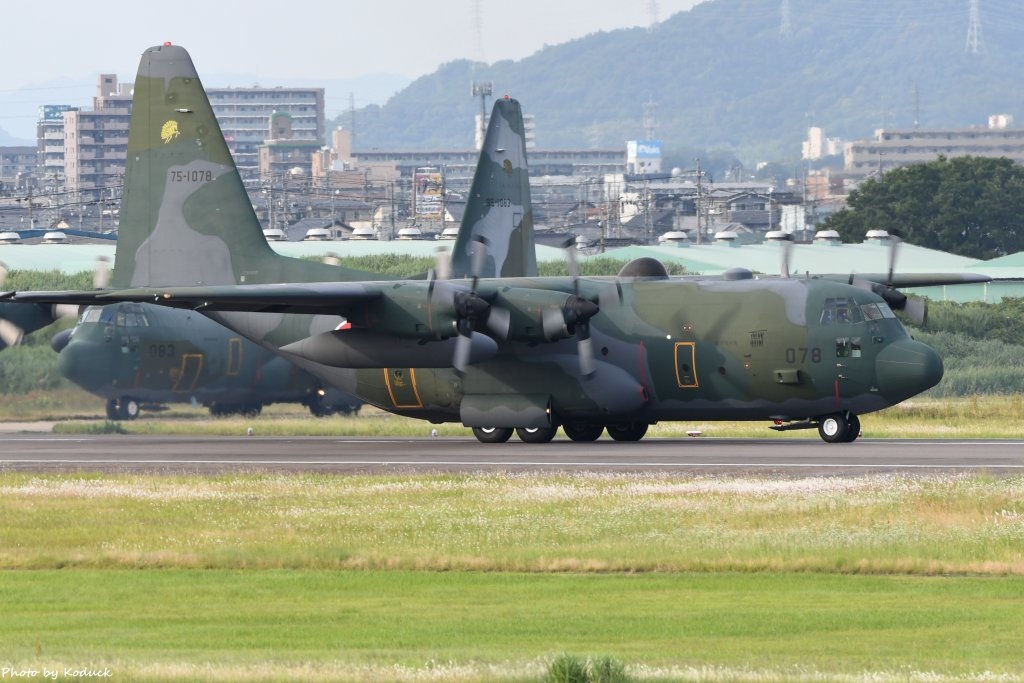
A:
[796,458]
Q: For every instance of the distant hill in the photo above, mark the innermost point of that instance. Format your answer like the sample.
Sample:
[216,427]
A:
[8,140]
[727,79]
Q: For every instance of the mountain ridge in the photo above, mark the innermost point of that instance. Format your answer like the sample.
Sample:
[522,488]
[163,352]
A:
[726,79]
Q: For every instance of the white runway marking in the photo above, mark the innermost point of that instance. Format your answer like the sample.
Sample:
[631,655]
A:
[504,463]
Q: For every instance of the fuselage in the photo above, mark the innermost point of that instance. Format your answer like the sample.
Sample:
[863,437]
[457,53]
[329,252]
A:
[664,349]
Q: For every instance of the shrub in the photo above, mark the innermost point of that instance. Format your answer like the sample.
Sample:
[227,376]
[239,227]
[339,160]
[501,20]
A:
[567,668]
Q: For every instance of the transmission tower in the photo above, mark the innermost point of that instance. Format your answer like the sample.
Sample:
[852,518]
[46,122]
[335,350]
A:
[478,32]
[786,24]
[649,107]
[974,44]
[483,90]
[917,106]
[652,14]
[352,116]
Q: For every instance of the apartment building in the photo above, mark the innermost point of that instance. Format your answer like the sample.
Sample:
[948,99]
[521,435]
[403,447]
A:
[96,142]
[892,148]
[245,115]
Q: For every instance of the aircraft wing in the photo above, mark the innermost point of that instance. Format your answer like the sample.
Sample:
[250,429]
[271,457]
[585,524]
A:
[909,279]
[340,298]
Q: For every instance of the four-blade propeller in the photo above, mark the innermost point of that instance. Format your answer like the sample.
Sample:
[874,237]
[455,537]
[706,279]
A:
[915,309]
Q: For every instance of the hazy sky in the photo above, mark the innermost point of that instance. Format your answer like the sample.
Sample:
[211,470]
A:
[76,40]
[54,51]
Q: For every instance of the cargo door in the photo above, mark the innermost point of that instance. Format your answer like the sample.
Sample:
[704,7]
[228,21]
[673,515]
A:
[401,384]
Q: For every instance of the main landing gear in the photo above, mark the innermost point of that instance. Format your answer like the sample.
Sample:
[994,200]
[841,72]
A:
[579,431]
[123,408]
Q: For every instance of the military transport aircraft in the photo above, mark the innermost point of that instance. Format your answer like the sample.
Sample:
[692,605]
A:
[140,355]
[501,353]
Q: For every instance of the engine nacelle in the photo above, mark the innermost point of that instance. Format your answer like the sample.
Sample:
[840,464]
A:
[536,315]
[356,348]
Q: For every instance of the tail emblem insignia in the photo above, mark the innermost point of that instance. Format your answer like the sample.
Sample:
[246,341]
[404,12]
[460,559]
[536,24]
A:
[169,131]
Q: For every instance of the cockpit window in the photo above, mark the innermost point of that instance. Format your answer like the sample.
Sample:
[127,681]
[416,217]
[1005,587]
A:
[841,311]
[91,315]
[125,315]
[877,311]
[131,315]
[108,315]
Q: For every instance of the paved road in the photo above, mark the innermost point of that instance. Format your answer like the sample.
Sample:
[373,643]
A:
[162,454]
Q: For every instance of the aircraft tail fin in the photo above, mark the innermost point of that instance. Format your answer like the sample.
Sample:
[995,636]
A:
[186,218]
[498,208]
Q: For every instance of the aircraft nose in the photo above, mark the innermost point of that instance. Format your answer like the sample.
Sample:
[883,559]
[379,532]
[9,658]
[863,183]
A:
[80,363]
[905,368]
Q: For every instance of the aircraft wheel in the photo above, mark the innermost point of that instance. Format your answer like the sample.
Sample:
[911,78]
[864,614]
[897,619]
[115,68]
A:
[317,407]
[583,431]
[833,428]
[853,431]
[628,431]
[536,434]
[112,409]
[128,408]
[492,434]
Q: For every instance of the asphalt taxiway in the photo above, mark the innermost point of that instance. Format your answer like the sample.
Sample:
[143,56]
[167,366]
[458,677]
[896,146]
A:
[792,458]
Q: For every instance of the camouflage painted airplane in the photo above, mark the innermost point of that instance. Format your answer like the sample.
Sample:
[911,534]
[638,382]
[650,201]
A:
[503,353]
[140,355]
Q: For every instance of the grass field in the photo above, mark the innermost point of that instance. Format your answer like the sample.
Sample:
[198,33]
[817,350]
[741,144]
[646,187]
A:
[495,576]
[490,577]
[310,624]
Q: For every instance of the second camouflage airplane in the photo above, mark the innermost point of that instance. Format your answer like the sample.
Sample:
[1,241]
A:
[499,354]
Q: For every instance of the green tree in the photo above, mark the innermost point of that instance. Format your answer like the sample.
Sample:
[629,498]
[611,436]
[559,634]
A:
[972,206]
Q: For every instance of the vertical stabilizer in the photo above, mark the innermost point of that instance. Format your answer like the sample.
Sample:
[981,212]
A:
[186,218]
[498,208]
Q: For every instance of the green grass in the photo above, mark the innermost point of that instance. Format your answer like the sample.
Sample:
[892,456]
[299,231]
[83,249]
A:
[494,576]
[879,524]
[331,624]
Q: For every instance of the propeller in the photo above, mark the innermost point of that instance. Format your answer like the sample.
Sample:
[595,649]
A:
[101,273]
[574,316]
[915,309]
[472,310]
[10,334]
[442,264]
[787,255]
[28,316]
